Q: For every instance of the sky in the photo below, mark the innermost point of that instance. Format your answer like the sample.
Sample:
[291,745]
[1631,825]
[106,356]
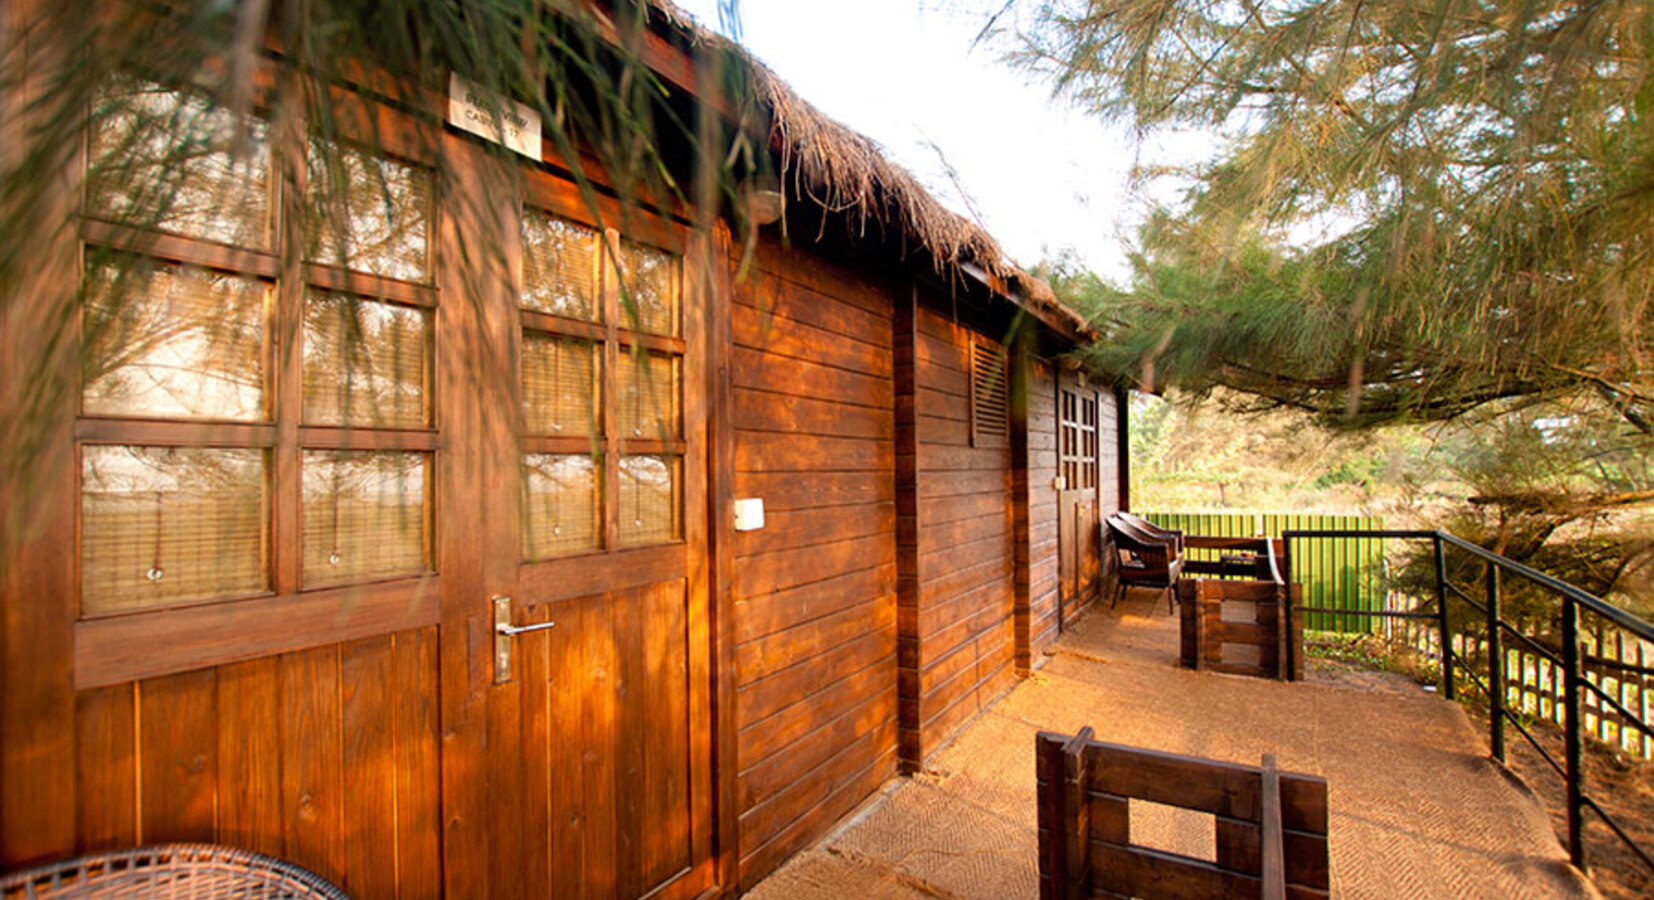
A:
[1039,175]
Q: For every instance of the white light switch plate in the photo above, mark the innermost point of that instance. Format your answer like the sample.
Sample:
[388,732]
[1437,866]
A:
[749,514]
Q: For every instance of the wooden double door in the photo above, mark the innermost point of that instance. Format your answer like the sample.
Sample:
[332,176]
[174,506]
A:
[1079,536]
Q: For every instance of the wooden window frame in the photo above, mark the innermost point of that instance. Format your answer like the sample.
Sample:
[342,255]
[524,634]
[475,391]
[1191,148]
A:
[123,645]
[1078,408]
[553,196]
[1077,437]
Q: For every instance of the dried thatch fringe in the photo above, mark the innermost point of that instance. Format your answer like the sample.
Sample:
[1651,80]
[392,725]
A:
[845,171]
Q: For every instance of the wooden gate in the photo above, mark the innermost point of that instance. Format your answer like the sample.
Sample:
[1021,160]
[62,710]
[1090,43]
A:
[1078,536]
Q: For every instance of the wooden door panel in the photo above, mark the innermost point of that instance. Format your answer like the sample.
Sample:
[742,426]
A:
[1068,555]
[608,804]
[1088,537]
[326,756]
[1079,544]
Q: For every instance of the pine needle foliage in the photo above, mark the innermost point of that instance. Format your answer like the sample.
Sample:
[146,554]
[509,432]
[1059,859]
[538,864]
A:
[1415,208]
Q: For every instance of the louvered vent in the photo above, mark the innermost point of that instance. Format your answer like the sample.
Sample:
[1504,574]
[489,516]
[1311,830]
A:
[990,393]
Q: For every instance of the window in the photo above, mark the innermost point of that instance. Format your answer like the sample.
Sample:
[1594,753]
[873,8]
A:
[1077,422]
[191,314]
[990,392]
[600,367]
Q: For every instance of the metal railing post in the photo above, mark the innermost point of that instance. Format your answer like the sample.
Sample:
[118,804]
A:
[1495,666]
[1572,733]
[1443,620]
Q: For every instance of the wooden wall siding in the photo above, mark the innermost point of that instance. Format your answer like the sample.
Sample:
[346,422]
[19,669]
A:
[1042,506]
[1111,476]
[326,757]
[1108,450]
[958,641]
[815,589]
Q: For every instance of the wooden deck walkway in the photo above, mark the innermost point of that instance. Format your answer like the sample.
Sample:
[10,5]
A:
[1418,811]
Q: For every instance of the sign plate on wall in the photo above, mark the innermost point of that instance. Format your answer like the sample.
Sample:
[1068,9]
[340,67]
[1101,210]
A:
[493,117]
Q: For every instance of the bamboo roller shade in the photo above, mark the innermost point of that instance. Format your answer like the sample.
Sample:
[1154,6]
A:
[168,525]
[173,342]
[365,515]
[169,161]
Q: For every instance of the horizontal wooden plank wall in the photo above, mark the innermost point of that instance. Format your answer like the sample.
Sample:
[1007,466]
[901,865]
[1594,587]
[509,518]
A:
[815,589]
[326,757]
[960,656]
[1108,452]
[1111,412]
[1042,506]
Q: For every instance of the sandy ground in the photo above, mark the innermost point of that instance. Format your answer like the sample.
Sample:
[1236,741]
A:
[1417,809]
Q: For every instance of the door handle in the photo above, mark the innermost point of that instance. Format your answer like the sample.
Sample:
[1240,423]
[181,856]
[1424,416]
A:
[504,631]
[501,628]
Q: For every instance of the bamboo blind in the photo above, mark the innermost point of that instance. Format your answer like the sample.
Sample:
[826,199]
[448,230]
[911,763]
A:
[649,499]
[173,342]
[561,512]
[169,525]
[366,363]
[365,515]
[559,385]
[648,289]
[164,525]
[559,266]
[168,160]
[649,391]
[368,213]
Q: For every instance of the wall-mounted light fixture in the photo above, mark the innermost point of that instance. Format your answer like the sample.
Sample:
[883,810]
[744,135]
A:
[765,202]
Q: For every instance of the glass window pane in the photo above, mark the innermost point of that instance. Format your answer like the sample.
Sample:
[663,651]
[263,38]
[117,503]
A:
[163,525]
[171,161]
[368,213]
[559,266]
[649,500]
[365,515]
[648,396]
[648,289]
[366,363]
[561,504]
[170,341]
[559,386]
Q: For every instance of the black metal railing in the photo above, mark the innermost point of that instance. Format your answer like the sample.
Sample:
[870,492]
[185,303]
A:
[1567,659]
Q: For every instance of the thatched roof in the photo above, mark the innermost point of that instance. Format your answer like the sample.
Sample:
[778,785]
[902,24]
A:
[845,170]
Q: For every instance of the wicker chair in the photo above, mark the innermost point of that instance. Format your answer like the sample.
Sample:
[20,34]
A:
[1147,559]
[1153,530]
[181,871]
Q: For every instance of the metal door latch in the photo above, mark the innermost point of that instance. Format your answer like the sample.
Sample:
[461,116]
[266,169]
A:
[504,631]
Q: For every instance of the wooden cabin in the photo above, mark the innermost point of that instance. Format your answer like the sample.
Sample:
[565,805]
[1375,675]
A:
[267,588]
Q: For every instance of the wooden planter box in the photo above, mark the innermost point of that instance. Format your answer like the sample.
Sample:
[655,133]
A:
[1250,643]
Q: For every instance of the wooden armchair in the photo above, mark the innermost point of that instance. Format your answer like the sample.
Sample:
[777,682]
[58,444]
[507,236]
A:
[1147,558]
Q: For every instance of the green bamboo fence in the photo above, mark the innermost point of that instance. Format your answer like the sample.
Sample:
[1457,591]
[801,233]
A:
[1347,573]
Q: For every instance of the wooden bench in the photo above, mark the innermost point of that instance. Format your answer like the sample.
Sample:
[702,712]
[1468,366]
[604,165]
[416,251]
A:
[1271,826]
